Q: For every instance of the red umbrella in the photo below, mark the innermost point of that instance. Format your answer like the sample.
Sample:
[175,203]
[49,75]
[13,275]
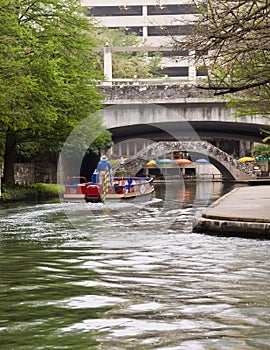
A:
[183,161]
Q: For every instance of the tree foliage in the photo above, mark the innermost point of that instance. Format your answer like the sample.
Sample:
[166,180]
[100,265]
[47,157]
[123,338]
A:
[262,151]
[232,39]
[47,74]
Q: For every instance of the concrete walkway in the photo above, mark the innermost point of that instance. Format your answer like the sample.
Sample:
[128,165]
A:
[245,210]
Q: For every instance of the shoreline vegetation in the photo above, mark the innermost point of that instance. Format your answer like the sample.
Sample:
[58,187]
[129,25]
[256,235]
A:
[35,192]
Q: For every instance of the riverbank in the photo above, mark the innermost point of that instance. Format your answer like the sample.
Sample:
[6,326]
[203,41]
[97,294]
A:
[244,210]
[39,191]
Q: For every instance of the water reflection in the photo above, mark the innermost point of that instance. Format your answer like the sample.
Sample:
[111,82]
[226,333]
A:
[192,193]
[123,283]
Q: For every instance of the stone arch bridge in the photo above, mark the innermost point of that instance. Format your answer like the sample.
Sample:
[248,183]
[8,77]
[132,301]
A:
[230,168]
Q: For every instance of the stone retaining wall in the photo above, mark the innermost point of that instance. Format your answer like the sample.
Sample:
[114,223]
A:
[30,173]
[146,92]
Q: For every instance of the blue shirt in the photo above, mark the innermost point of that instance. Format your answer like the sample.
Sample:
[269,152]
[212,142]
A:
[103,165]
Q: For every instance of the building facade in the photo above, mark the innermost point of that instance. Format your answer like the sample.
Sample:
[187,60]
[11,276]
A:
[154,22]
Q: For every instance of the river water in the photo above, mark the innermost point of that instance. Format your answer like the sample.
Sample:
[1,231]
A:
[85,276]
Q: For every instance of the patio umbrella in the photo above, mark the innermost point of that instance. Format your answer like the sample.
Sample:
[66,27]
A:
[182,161]
[151,162]
[164,161]
[246,159]
[202,161]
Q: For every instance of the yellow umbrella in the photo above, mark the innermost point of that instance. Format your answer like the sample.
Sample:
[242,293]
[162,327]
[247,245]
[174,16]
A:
[246,159]
[151,162]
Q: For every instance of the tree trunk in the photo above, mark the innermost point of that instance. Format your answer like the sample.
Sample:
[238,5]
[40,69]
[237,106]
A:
[9,158]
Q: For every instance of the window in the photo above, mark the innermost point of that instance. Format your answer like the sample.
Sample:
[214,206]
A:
[169,30]
[129,30]
[201,72]
[108,11]
[174,53]
[200,53]
[171,53]
[174,71]
[171,10]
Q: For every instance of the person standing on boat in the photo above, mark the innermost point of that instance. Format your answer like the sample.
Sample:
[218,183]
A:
[103,166]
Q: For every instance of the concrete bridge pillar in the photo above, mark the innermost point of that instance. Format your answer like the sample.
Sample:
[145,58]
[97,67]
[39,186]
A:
[108,64]
[192,73]
[144,13]
[245,148]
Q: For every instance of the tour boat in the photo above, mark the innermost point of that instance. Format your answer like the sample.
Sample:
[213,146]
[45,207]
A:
[78,188]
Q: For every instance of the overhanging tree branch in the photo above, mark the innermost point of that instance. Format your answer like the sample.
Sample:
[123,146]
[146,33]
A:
[235,39]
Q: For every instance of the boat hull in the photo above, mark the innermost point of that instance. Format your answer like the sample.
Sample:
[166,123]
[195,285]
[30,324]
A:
[78,189]
[130,196]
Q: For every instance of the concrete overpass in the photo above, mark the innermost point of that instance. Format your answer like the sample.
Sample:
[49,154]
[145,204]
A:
[155,110]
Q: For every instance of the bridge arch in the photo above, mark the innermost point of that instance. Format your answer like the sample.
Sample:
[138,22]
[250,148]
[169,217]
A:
[230,168]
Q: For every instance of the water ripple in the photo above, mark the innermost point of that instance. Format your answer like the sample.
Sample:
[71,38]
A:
[125,282]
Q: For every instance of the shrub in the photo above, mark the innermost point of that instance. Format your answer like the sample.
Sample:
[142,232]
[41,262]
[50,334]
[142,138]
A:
[31,192]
